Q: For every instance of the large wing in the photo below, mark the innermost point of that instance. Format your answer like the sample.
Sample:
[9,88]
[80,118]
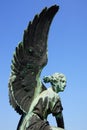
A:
[29,58]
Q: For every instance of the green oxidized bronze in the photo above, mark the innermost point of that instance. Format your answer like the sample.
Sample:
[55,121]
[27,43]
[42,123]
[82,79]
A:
[27,94]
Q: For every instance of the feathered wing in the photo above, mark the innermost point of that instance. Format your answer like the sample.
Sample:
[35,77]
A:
[29,58]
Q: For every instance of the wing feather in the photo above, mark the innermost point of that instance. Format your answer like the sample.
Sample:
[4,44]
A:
[29,58]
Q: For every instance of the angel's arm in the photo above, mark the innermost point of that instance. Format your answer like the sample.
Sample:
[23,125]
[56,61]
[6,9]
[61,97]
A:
[60,120]
[57,113]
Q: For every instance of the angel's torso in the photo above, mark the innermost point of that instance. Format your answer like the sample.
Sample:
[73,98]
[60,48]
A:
[47,102]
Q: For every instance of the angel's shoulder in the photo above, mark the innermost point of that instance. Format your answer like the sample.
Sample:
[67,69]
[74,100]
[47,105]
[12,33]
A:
[49,93]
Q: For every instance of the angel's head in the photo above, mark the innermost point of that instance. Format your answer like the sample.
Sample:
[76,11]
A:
[57,80]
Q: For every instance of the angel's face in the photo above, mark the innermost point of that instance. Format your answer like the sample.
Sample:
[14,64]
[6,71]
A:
[62,84]
[59,84]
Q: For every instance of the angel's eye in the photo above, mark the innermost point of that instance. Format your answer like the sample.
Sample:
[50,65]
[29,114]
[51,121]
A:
[63,81]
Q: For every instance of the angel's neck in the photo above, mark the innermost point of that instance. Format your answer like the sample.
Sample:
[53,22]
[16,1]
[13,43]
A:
[55,89]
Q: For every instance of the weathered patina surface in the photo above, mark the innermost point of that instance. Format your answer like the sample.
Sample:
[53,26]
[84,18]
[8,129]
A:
[27,94]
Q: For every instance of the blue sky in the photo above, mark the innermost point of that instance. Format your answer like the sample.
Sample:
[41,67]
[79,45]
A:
[67,52]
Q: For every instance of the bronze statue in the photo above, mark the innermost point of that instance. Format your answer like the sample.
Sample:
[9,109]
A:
[27,94]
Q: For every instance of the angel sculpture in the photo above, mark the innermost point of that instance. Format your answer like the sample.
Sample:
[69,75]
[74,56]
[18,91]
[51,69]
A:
[27,94]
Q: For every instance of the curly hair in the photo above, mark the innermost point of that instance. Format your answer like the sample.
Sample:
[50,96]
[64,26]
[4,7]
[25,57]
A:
[54,77]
